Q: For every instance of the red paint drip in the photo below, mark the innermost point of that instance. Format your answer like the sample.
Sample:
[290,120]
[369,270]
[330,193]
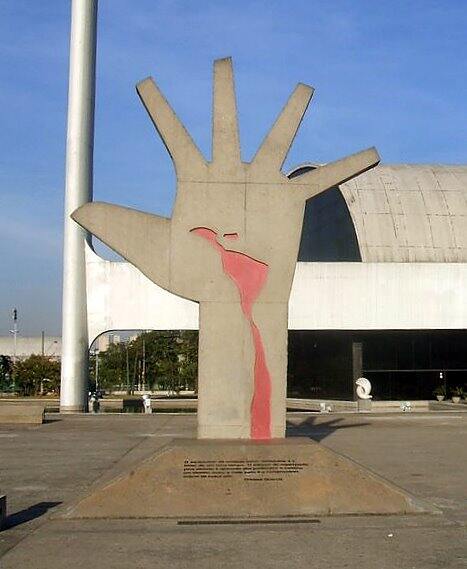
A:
[250,276]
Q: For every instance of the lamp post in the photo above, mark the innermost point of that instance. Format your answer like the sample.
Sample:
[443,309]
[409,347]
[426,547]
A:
[128,390]
[143,370]
[96,367]
[14,316]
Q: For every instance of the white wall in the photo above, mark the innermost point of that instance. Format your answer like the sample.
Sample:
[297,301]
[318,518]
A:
[120,297]
[379,296]
[325,296]
[27,346]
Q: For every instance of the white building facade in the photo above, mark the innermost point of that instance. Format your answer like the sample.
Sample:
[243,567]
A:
[380,287]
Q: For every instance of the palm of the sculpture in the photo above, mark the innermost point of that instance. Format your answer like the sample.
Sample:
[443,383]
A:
[258,218]
[254,202]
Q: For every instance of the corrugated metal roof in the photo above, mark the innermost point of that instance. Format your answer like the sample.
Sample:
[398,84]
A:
[410,213]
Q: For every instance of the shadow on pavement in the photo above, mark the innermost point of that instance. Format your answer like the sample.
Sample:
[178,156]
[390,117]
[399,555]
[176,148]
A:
[29,514]
[319,431]
[49,421]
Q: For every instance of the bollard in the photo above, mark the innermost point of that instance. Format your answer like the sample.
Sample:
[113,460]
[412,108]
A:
[2,511]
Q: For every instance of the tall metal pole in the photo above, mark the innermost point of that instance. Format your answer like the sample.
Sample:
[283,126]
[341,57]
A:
[143,374]
[127,370]
[14,315]
[78,190]
[96,372]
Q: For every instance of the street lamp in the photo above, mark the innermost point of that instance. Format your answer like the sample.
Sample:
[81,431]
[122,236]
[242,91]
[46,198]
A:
[128,390]
[14,316]
[95,353]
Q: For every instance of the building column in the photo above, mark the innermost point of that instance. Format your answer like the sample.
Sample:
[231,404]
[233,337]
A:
[357,365]
[78,190]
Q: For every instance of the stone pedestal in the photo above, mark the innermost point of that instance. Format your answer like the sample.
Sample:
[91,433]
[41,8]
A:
[281,478]
[364,405]
[22,413]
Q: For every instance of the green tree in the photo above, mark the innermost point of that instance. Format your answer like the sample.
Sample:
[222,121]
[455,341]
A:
[112,368]
[6,369]
[188,356]
[162,362]
[37,374]
[156,359]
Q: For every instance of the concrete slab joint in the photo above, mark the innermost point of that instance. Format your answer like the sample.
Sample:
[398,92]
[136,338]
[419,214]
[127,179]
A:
[231,245]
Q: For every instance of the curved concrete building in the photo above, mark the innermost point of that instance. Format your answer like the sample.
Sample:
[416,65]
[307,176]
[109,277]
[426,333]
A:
[400,214]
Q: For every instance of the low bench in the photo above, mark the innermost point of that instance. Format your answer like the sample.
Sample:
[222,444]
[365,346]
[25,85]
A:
[21,414]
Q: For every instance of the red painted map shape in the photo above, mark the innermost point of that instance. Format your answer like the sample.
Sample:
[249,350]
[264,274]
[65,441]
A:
[250,276]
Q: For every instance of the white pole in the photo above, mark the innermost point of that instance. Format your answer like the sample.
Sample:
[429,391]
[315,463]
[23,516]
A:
[97,370]
[78,190]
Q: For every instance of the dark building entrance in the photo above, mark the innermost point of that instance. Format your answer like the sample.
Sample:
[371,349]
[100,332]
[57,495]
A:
[400,364]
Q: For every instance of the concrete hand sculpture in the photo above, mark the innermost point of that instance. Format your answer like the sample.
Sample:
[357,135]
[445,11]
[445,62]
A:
[231,245]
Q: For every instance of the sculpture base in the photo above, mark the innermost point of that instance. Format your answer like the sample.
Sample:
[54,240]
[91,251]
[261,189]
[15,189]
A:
[244,479]
[364,405]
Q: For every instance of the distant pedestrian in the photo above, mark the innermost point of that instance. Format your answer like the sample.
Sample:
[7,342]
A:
[147,404]
[95,405]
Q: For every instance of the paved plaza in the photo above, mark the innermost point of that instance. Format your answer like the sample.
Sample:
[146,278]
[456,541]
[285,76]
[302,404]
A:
[43,468]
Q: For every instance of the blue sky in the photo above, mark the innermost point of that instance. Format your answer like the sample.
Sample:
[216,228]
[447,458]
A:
[389,73]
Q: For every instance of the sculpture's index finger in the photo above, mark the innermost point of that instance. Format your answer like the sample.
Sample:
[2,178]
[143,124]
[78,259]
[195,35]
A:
[187,158]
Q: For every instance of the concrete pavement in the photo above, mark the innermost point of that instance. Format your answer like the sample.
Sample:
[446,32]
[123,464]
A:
[45,466]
